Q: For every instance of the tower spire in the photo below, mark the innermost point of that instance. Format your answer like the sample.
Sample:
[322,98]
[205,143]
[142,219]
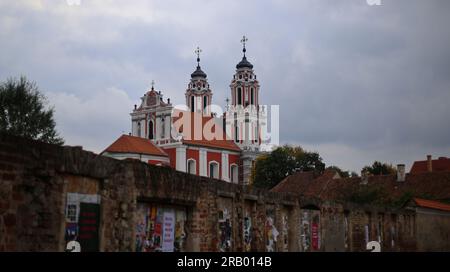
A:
[153,84]
[198,51]
[243,41]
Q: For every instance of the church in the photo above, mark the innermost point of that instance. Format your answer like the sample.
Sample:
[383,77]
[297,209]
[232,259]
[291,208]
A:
[193,138]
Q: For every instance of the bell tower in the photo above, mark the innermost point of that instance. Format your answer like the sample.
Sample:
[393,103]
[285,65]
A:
[243,114]
[198,94]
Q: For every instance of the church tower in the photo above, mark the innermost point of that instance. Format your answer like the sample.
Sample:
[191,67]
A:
[198,94]
[243,115]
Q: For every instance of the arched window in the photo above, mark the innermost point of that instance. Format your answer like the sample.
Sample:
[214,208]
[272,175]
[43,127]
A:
[252,96]
[139,129]
[234,173]
[214,170]
[150,130]
[239,96]
[163,129]
[192,103]
[191,167]
[205,102]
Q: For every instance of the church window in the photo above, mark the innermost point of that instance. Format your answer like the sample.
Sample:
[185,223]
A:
[252,97]
[234,173]
[191,167]
[240,76]
[139,129]
[205,102]
[150,130]
[192,103]
[239,95]
[214,170]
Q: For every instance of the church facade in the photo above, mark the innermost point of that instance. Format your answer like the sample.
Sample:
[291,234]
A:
[193,138]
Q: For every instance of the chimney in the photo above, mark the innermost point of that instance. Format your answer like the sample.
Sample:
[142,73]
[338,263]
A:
[429,164]
[400,172]
[364,177]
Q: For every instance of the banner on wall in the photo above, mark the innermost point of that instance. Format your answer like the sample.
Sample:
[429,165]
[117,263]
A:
[168,231]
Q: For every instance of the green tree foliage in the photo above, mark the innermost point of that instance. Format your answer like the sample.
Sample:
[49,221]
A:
[23,111]
[271,168]
[342,173]
[379,168]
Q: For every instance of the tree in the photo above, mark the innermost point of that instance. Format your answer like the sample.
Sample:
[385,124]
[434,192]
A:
[342,173]
[379,168]
[271,168]
[23,111]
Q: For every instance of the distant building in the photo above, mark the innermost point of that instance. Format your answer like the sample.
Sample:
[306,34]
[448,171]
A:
[430,165]
[193,139]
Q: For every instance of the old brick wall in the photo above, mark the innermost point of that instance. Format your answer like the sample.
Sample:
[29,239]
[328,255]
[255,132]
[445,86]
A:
[432,222]
[38,182]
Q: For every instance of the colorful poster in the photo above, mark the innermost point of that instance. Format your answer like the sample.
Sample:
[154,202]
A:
[224,230]
[305,232]
[247,233]
[180,234]
[168,231]
[272,234]
[315,230]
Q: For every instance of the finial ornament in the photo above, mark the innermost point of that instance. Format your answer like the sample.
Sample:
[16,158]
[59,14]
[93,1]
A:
[198,51]
[153,84]
[243,41]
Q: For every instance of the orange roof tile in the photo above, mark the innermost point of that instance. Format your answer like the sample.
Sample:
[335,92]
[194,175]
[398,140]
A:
[132,144]
[425,203]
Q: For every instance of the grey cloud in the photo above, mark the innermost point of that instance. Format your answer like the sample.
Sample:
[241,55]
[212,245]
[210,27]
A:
[356,82]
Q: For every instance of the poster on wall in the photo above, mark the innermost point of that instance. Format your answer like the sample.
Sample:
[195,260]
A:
[315,230]
[180,234]
[88,227]
[82,215]
[159,228]
[224,230]
[168,231]
[305,231]
[285,233]
[247,233]
[272,235]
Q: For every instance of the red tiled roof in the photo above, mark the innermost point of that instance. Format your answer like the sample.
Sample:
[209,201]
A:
[425,203]
[436,184]
[189,137]
[439,165]
[132,144]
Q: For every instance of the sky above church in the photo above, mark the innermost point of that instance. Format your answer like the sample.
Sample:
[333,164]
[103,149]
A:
[355,82]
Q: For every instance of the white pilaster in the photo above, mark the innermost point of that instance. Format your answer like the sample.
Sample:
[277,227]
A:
[181,159]
[225,166]
[203,164]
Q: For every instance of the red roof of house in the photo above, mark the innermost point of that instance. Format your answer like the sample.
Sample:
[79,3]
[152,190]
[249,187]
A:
[132,144]
[327,187]
[208,123]
[439,165]
[425,203]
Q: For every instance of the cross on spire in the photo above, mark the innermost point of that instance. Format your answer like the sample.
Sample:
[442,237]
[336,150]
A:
[243,41]
[198,51]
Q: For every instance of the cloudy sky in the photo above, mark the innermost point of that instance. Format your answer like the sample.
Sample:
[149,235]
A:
[355,82]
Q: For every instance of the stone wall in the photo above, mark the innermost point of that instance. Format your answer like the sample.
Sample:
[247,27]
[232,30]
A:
[48,192]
